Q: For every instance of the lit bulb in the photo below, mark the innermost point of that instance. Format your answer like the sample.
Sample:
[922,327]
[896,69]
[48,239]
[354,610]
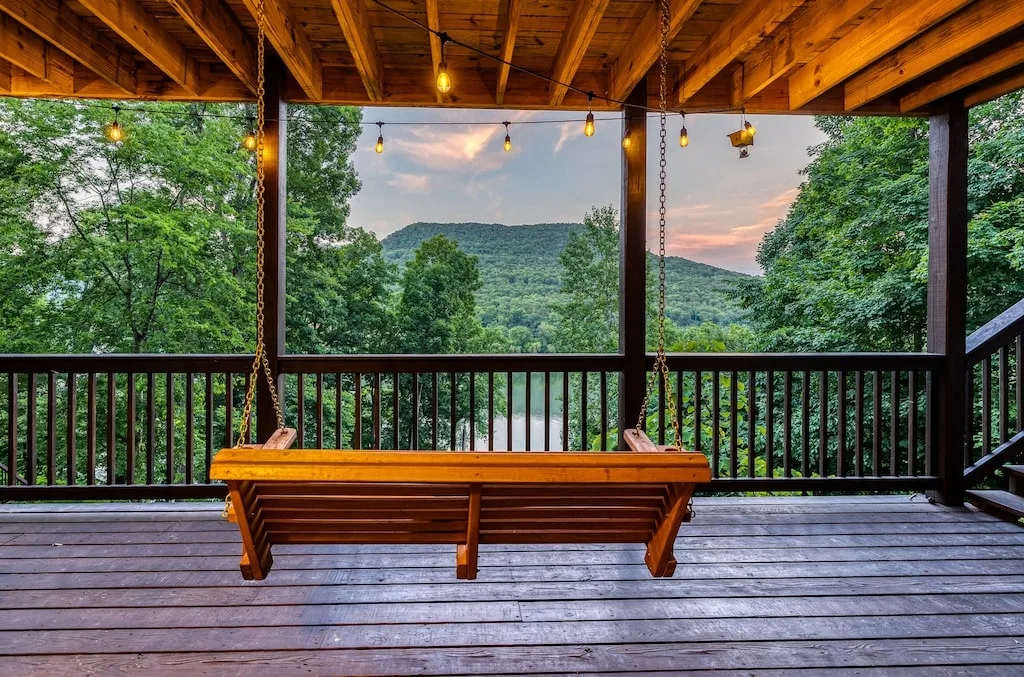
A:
[626,142]
[750,128]
[249,142]
[114,132]
[588,128]
[444,81]
[684,138]
[380,145]
[508,143]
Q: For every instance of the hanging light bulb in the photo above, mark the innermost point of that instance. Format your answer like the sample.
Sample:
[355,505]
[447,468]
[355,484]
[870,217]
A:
[249,141]
[508,139]
[444,81]
[626,138]
[588,127]
[749,127]
[114,131]
[380,138]
[684,137]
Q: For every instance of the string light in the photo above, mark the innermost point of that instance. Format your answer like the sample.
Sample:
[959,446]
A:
[684,137]
[626,138]
[380,138]
[444,81]
[508,139]
[249,142]
[588,126]
[114,131]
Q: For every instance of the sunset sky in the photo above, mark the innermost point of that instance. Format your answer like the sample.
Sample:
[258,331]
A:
[718,205]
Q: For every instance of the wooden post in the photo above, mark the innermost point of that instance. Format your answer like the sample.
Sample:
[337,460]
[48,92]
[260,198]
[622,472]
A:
[947,293]
[633,262]
[275,211]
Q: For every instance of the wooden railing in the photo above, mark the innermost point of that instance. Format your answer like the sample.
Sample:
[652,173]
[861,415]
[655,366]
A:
[995,395]
[134,426]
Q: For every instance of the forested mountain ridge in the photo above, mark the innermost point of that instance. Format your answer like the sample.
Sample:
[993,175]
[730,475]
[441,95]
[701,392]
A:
[520,272]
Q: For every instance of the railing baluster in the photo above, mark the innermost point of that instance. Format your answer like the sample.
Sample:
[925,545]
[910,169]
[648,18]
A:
[357,433]
[929,421]
[876,423]
[547,411]
[841,427]
[603,375]
[661,409]
[229,409]
[339,431]
[396,415]
[208,427]
[472,411]
[414,418]
[858,423]
[12,428]
[190,427]
[490,411]
[734,463]
[912,424]
[300,410]
[31,467]
[584,432]
[51,428]
[72,431]
[131,413]
[894,424]
[528,411]
[679,408]
[986,405]
[716,421]
[319,410]
[433,409]
[769,420]
[751,424]
[453,412]
[111,426]
[969,434]
[508,417]
[787,423]
[90,428]
[249,428]
[805,424]
[375,409]
[169,423]
[698,405]
[1004,393]
[1019,362]
[823,424]
[565,411]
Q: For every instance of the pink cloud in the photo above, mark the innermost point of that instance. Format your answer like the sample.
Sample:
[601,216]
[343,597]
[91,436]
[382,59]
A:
[415,183]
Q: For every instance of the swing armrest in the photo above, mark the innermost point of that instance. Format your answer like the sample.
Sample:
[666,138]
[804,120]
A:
[283,438]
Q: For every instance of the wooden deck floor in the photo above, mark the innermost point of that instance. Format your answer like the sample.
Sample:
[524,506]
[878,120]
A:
[764,585]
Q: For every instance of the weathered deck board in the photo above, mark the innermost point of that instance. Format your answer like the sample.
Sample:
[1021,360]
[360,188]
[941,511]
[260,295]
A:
[765,586]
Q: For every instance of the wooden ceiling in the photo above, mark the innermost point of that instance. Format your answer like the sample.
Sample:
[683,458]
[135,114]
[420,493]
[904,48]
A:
[769,56]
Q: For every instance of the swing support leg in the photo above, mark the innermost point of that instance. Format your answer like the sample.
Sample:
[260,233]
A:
[659,558]
[466,553]
[256,559]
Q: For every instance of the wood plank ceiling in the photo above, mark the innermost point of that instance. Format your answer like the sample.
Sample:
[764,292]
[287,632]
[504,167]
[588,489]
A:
[767,56]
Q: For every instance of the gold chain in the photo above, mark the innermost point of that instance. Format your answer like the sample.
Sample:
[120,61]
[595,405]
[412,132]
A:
[661,362]
[260,358]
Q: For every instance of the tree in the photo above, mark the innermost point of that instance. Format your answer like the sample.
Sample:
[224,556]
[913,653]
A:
[847,268]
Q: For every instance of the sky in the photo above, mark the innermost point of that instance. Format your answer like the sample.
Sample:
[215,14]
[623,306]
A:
[719,206]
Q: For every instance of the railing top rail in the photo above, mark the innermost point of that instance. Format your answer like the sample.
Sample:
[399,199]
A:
[801,361]
[996,333]
[121,362]
[517,362]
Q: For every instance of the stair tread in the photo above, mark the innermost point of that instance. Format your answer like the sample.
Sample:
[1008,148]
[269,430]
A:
[1001,500]
[1017,470]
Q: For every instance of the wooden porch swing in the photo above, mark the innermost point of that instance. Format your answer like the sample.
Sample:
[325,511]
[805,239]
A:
[278,495]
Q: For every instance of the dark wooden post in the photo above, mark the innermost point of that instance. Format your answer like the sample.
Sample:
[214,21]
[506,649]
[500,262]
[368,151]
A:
[275,213]
[633,262]
[947,292]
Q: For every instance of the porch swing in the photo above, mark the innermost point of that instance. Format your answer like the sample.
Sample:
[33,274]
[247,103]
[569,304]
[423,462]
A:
[278,495]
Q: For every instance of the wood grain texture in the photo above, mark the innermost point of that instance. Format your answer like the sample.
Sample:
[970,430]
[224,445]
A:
[355,24]
[643,47]
[579,31]
[214,22]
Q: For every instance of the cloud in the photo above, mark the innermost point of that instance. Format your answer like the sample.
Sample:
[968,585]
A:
[566,131]
[781,201]
[413,183]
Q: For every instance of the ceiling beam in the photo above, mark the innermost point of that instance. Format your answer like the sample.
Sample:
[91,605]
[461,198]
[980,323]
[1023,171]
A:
[994,90]
[508,45]
[140,30]
[742,30]
[5,77]
[293,46]
[968,75]
[26,50]
[579,31]
[60,26]
[436,56]
[355,25]
[983,21]
[644,46]
[217,26]
[879,34]
[776,56]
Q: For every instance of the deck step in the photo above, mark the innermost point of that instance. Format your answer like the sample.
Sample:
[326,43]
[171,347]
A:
[1015,473]
[999,503]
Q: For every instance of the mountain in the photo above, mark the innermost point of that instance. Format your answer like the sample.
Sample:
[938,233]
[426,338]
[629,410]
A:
[520,272]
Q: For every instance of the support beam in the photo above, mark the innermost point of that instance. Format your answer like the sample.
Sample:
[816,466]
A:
[744,28]
[434,24]
[979,24]
[633,263]
[994,90]
[736,86]
[966,76]
[22,48]
[219,29]
[644,46]
[58,25]
[355,24]
[579,31]
[947,293]
[294,47]
[275,219]
[813,29]
[508,45]
[140,30]
[878,35]
[5,77]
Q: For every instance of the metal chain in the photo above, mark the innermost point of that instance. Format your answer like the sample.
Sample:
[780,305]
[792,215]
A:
[661,362]
[260,358]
